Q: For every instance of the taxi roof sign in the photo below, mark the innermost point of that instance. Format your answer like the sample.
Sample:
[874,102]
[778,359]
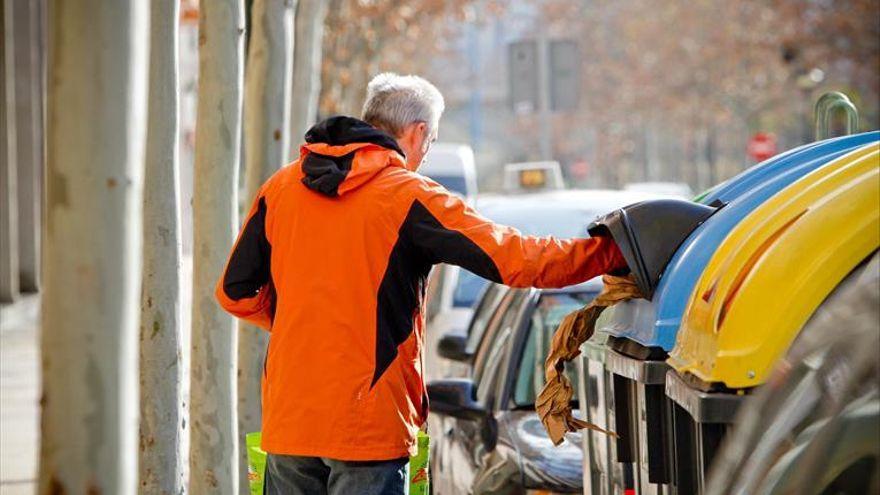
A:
[533,176]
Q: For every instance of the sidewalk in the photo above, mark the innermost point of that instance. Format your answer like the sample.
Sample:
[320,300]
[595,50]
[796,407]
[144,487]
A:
[19,396]
[20,385]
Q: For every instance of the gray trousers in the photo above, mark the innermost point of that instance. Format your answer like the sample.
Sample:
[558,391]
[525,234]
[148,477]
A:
[296,475]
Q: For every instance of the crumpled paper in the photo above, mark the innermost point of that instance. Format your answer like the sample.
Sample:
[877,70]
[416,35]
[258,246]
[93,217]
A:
[554,401]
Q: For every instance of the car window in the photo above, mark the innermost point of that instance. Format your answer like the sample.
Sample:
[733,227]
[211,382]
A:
[467,289]
[495,360]
[482,315]
[495,336]
[549,312]
[434,293]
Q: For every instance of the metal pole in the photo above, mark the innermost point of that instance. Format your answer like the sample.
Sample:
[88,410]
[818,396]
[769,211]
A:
[476,124]
[544,122]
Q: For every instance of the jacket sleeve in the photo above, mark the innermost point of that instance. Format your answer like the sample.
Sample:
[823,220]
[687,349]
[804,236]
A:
[447,230]
[245,289]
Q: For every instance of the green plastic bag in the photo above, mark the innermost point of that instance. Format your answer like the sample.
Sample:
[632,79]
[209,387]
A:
[256,462]
[419,482]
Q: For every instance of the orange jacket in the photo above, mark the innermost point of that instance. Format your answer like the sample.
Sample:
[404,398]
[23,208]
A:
[333,259]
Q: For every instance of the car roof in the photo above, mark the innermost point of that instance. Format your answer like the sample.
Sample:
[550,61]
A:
[592,199]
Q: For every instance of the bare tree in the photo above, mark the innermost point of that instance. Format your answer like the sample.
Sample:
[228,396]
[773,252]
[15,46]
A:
[92,253]
[163,413]
[213,457]
[266,134]
[310,15]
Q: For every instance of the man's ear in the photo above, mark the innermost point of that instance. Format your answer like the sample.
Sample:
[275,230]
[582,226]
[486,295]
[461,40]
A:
[421,134]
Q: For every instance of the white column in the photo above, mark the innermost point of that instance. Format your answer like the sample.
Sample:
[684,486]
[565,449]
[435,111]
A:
[310,15]
[163,461]
[214,450]
[92,251]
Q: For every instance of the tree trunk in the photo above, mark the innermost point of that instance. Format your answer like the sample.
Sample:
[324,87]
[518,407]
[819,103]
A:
[92,251]
[266,134]
[163,419]
[213,458]
[310,15]
[29,147]
[9,277]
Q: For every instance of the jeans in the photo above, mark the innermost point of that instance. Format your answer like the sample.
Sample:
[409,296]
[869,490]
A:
[296,475]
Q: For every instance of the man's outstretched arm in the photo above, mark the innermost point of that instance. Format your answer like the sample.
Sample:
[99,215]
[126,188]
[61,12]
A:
[448,231]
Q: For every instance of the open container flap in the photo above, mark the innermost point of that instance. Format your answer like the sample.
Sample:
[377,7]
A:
[649,232]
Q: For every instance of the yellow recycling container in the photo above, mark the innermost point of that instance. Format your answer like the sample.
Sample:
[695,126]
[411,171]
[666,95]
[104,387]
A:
[775,268]
[766,279]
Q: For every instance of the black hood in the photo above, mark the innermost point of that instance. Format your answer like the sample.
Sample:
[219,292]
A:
[334,170]
[342,130]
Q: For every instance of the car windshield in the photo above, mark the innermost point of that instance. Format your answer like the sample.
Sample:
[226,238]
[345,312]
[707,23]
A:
[550,311]
[558,222]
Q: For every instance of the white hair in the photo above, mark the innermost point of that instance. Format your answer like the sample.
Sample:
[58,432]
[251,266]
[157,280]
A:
[395,101]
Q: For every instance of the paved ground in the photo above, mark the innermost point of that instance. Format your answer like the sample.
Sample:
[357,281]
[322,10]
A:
[20,386]
[19,395]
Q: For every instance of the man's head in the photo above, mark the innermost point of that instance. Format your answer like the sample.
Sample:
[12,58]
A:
[408,108]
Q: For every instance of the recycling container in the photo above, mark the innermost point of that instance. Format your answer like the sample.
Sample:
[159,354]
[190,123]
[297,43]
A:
[642,332]
[760,287]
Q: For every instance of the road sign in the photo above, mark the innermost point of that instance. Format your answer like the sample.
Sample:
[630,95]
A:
[564,75]
[523,63]
[762,146]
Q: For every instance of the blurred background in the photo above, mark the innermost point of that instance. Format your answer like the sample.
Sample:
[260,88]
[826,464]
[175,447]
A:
[617,91]
[637,90]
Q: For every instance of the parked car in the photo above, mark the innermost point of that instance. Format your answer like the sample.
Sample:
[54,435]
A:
[489,438]
[452,291]
[452,165]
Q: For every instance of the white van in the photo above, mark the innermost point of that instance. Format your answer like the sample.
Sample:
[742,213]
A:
[452,165]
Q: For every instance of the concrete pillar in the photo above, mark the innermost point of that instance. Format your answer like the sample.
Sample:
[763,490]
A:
[8,181]
[29,138]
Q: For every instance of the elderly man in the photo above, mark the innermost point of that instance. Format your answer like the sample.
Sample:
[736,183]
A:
[333,260]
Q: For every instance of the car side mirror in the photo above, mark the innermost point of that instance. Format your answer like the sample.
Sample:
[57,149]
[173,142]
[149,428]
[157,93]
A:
[455,397]
[454,347]
[649,233]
